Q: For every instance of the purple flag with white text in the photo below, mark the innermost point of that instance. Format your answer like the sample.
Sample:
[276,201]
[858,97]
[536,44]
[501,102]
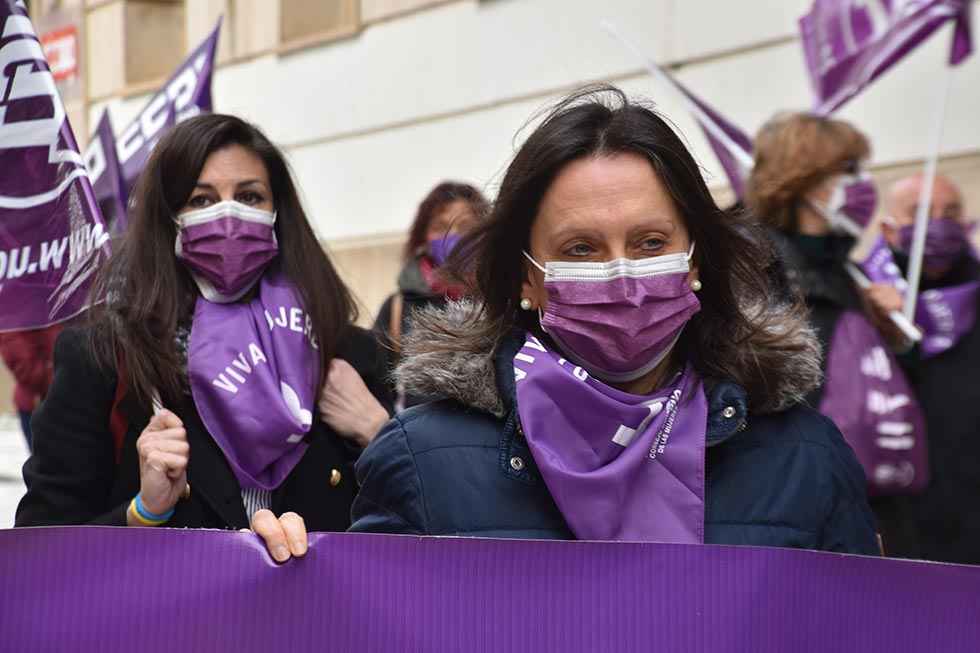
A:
[107,175]
[52,236]
[186,94]
[850,43]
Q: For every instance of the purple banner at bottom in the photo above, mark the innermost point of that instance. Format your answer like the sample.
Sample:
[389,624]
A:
[114,589]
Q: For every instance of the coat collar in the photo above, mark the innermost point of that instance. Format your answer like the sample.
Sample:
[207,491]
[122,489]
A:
[727,401]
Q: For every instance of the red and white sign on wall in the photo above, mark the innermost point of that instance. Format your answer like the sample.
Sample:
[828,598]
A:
[62,52]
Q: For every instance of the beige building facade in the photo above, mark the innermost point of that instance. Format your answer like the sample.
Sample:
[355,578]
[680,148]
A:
[375,101]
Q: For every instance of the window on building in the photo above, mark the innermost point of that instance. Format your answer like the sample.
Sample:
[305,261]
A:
[132,44]
[304,22]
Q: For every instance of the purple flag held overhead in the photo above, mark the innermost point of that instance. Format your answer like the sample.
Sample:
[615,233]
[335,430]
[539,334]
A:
[850,43]
[186,94]
[107,175]
[52,237]
[731,145]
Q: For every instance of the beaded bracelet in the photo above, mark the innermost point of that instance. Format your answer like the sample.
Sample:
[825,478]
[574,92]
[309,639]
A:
[144,516]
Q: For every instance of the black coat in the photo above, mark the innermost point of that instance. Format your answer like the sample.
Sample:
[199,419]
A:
[943,523]
[415,295]
[73,476]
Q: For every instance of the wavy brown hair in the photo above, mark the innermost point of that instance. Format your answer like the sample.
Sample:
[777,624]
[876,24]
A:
[740,334]
[147,292]
[443,194]
[794,153]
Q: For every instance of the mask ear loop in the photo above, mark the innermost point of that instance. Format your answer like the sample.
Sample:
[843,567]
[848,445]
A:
[690,251]
[533,262]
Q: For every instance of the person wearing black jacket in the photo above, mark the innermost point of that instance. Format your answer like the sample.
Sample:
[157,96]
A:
[218,249]
[447,212]
[942,523]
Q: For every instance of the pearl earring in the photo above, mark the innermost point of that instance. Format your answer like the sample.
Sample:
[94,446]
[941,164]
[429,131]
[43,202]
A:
[696,285]
[526,304]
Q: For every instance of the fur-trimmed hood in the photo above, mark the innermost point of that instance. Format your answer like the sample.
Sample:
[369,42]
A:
[433,366]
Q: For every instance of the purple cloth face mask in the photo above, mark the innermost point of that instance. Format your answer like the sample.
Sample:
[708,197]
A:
[440,248]
[851,206]
[226,247]
[253,370]
[946,241]
[619,466]
[618,319]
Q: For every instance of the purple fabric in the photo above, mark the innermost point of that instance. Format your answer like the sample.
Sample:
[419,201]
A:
[52,238]
[107,175]
[229,252]
[946,242]
[848,44]
[860,201]
[619,466]
[440,248]
[254,369]
[85,589]
[869,398]
[731,145]
[944,314]
[186,94]
[617,327]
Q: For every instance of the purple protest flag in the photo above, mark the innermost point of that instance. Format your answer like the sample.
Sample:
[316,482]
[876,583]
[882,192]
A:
[731,145]
[107,175]
[848,44]
[186,94]
[91,589]
[52,236]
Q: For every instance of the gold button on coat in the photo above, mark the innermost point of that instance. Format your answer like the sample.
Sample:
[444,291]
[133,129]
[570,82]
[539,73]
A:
[335,477]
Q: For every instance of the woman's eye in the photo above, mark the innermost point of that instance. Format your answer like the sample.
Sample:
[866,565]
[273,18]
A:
[652,245]
[250,198]
[199,201]
[580,249]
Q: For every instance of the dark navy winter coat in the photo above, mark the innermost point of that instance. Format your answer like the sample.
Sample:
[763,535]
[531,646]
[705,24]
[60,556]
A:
[447,468]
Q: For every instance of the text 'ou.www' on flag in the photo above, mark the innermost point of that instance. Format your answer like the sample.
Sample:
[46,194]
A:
[52,236]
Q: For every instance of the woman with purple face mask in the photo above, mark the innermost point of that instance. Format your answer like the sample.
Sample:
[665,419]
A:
[623,372]
[219,382]
[807,187]
[447,213]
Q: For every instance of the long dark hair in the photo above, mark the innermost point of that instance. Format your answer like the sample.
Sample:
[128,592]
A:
[147,292]
[444,193]
[730,338]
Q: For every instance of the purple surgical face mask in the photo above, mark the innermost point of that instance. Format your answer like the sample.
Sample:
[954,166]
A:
[440,248]
[946,241]
[851,205]
[619,319]
[226,247]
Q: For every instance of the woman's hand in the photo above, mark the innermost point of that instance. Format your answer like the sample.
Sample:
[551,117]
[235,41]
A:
[163,455]
[882,299]
[284,537]
[348,407]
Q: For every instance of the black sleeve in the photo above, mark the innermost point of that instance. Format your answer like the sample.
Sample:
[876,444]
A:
[71,471]
[364,353]
[386,349]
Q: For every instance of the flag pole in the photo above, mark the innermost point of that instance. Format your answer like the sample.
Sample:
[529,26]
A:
[925,198]
[656,71]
